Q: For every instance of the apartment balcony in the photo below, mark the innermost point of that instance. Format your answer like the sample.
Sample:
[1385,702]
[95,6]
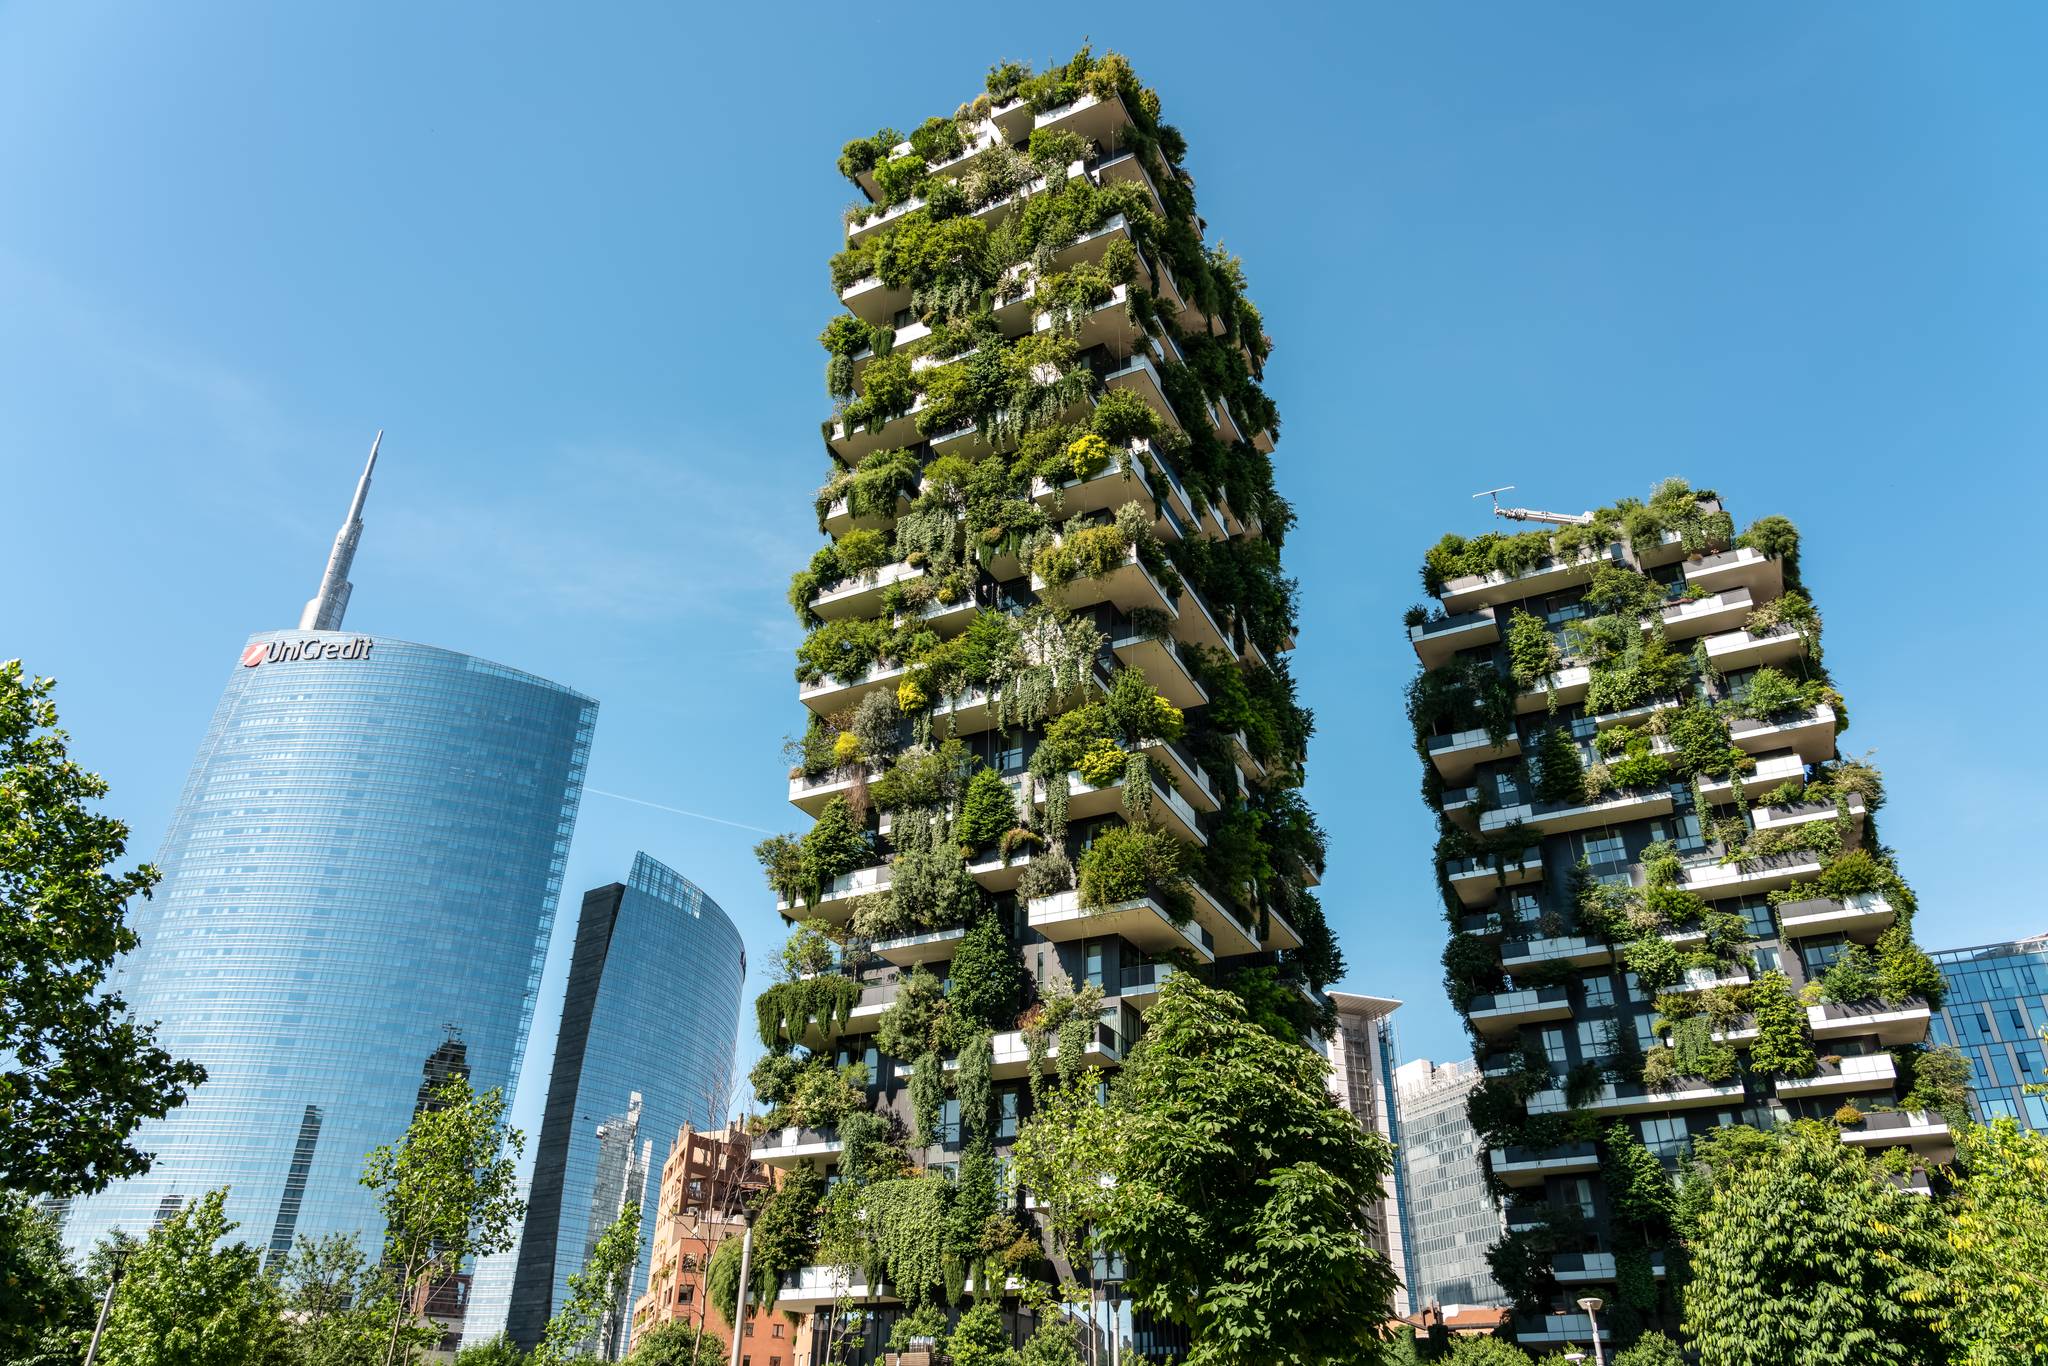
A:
[1129,586]
[1763,576]
[1190,779]
[1247,763]
[1477,881]
[794,1147]
[852,444]
[835,901]
[1506,1011]
[1669,549]
[1229,935]
[1771,771]
[1521,1217]
[866,1017]
[933,946]
[1891,1025]
[1725,611]
[1767,874]
[1461,804]
[873,302]
[1013,1055]
[1142,923]
[1557,818]
[1707,979]
[1579,1268]
[1170,811]
[1520,955]
[882,218]
[1280,932]
[839,518]
[821,1287]
[1161,664]
[1566,687]
[1861,917]
[1096,119]
[1850,1075]
[1533,1166]
[1456,755]
[1104,492]
[1732,650]
[1803,813]
[1470,591]
[1628,1098]
[809,793]
[1138,374]
[1534,1329]
[1436,642]
[861,596]
[1140,985]
[1127,167]
[830,696]
[1924,1131]
[1108,324]
[1811,735]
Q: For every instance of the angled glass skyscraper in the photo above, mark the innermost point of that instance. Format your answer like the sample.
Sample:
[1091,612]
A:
[1995,1012]
[649,1018]
[359,883]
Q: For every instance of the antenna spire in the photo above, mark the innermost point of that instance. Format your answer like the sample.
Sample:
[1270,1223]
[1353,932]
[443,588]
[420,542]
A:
[1531,514]
[325,609]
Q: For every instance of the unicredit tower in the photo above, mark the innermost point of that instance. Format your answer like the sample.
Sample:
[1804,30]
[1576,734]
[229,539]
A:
[359,883]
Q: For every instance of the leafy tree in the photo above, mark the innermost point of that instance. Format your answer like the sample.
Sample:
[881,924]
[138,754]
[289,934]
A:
[1051,1343]
[1807,1257]
[337,1307]
[1784,1040]
[499,1351]
[1486,1351]
[2000,1239]
[447,1190]
[836,844]
[190,1298]
[1652,1349]
[980,1339]
[1637,1185]
[1560,775]
[1236,1187]
[988,810]
[595,1293]
[677,1343]
[77,1072]
[42,1300]
[987,979]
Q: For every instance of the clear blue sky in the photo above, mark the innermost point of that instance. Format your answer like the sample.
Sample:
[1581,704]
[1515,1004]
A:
[574,261]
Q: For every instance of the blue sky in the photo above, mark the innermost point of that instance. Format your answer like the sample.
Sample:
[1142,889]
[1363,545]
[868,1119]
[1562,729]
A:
[575,263]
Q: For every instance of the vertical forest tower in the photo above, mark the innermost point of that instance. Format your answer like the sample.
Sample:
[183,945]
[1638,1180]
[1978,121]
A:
[1668,906]
[1050,742]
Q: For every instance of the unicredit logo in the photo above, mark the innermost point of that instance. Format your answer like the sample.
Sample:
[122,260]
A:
[292,651]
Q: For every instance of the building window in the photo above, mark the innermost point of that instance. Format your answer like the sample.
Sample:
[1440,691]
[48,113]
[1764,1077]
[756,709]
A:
[775,1331]
[1599,989]
[1553,1046]
[1665,1137]
[747,1329]
[1094,972]
[1006,1120]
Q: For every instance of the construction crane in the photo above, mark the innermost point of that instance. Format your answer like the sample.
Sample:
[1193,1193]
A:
[1531,514]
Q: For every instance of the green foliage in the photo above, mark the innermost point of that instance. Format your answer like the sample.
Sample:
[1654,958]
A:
[988,811]
[1471,968]
[980,1339]
[919,1020]
[1850,978]
[1560,777]
[1700,744]
[189,1298]
[77,1072]
[1777,537]
[1696,1054]
[1904,971]
[1462,695]
[1486,1351]
[675,1343]
[502,1351]
[337,1306]
[785,1239]
[786,1009]
[1806,1256]
[1784,1039]
[1639,669]
[1138,712]
[1237,1188]
[1618,589]
[595,1292]
[1637,1186]
[987,979]
[1936,1079]
[1491,553]
[1652,1349]
[1125,862]
[843,650]
[46,1302]
[837,844]
[448,1188]
[1533,654]
[1999,1236]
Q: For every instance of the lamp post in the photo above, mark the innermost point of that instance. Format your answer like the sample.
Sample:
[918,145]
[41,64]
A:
[1591,1304]
[106,1304]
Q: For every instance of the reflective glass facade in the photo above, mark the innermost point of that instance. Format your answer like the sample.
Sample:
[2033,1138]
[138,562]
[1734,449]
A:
[650,1015]
[1996,1007]
[359,883]
[1450,1219]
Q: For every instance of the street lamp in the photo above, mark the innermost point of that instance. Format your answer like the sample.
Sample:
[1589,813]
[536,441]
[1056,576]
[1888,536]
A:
[1591,1304]
[1575,1357]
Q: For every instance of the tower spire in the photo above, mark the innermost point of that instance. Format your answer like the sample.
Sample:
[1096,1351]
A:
[324,611]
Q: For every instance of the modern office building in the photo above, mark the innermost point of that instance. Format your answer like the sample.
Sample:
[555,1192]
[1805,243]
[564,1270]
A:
[1995,1010]
[359,882]
[650,1015]
[1449,1220]
[1648,845]
[1361,1052]
[1054,545]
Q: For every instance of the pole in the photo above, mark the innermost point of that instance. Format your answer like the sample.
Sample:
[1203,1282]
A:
[740,1304]
[106,1306]
[1592,1304]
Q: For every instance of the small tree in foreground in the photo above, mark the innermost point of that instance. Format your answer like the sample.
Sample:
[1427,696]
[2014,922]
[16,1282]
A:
[190,1298]
[77,1072]
[676,1343]
[2000,1238]
[595,1292]
[448,1191]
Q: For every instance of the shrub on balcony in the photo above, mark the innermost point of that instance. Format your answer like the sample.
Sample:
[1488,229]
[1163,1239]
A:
[986,976]
[861,154]
[1622,591]
[1904,971]
[1638,766]
[1641,671]
[1784,1040]
[1126,862]
[1851,977]
[843,650]
[1936,1079]
[1533,653]
[787,1009]
[1492,552]
[835,845]
[1471,968]
[1560,776]
[1696,1053]
[987,811]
